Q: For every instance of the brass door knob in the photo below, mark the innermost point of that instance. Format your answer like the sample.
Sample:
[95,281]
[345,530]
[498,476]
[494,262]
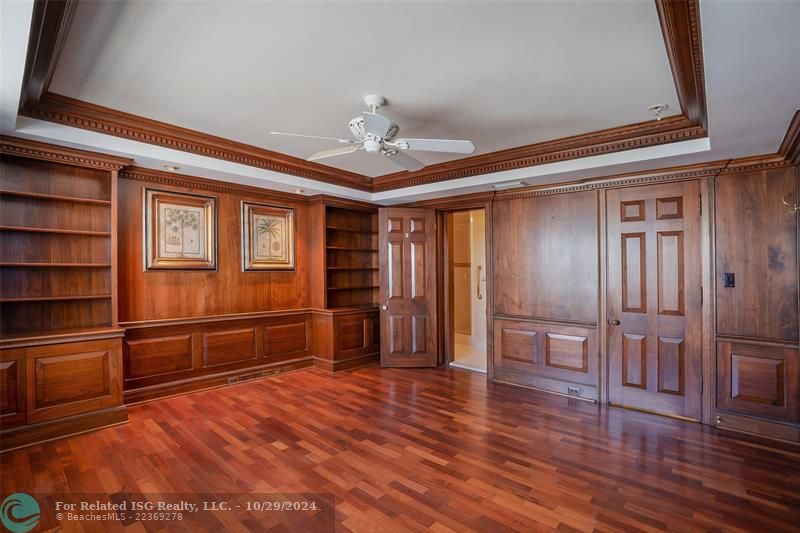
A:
[614,322]
[385,307]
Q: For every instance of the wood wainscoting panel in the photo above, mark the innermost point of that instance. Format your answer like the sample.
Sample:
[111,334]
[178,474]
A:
[555,357]
[545,257]
[759,380]
[349,333]
[356,335]
[12,388]
[568,352]
[291,338]
[157,356]
[346,338]
[229,346]
[163,359]
[74,378]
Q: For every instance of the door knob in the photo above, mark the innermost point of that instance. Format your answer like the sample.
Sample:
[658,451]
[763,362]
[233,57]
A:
[614,322]
[385,307]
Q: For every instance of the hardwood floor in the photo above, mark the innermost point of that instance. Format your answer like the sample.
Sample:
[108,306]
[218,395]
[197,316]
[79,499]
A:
[434,449]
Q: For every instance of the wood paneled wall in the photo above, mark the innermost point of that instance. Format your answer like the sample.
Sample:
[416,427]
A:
[757,359]
[756,240]
[549,330]
[161,294]
[545,257]
[545,292]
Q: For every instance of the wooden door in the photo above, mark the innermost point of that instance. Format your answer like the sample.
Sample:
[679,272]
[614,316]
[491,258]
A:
[654,298]
[408,287]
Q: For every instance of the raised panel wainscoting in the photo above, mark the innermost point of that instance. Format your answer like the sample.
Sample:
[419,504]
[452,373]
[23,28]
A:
[548,356]
[163,358]
[50,390]
[346,338]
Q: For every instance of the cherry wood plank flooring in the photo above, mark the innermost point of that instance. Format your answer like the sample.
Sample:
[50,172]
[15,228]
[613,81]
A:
[439,450]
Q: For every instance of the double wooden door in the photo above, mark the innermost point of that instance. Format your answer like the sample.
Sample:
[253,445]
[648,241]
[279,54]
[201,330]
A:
[407,240]
[654,298]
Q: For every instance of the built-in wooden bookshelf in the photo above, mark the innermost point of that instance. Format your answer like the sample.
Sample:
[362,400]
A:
[351,250]
[56,247]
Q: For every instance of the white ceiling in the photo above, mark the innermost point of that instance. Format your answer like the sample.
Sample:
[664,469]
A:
[502,74]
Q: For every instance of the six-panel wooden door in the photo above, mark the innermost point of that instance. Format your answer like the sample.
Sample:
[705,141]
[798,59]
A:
[654,298]
[408,287]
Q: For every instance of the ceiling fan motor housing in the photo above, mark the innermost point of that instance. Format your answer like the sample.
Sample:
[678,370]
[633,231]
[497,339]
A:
[373,144]
[356,126]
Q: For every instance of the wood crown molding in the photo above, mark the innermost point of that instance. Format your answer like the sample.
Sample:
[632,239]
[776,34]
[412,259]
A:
[641,135]
[346,203]
[172,179]
[76,113]
[49,27]
[60,154]
[680,26]
[712,169]
[790,146]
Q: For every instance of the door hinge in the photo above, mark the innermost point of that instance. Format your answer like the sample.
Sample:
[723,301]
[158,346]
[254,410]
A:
[701,295]
[700,200]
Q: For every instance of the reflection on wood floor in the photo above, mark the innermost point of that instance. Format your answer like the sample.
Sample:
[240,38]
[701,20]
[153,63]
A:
[431,449]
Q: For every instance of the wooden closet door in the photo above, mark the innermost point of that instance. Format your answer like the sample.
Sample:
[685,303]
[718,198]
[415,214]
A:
[408,287]
[654,298]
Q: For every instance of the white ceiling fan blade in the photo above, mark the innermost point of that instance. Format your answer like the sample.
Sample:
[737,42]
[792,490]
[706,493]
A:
[346,141]
[334,152]
[376,124]
[404,160]
[436,145]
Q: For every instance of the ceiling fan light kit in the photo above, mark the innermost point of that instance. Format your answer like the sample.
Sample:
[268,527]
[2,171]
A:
[375,133]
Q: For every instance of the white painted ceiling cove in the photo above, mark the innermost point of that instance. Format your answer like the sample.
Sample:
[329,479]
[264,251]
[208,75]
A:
[502,74]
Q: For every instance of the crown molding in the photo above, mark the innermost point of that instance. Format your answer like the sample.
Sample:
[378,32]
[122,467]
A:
[721,168]
[172,179]
[76,113]
[755,164]
[49,27]
[680,25]
[640,135]
[346,203]
[790,146]
[465,201]
[60,154]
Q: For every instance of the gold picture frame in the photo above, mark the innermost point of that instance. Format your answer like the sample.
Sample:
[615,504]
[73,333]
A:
[179,231]
[268,240]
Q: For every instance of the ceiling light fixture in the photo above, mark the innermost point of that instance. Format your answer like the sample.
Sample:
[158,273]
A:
[509,185]
[172,168]
[658,109]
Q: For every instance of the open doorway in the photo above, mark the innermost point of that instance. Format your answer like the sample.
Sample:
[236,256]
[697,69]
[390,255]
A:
[466,268]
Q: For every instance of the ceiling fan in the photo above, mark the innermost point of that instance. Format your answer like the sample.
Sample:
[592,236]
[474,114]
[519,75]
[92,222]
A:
[375,133]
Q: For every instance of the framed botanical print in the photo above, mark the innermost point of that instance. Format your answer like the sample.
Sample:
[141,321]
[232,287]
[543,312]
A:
[179,231]
[267,237]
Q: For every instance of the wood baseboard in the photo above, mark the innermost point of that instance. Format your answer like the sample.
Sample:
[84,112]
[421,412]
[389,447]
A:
[346,364]
[221,379]
[757,426]
[23,436]
[553,386]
